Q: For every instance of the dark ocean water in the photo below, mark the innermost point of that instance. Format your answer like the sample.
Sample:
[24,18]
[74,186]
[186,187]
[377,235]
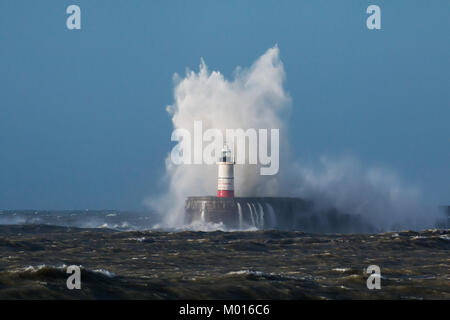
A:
[122,258]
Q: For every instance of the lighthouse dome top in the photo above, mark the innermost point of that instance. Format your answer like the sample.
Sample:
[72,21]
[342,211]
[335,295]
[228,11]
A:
[225,155]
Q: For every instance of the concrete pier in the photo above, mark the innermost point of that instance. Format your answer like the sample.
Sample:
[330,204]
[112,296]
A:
[271,213]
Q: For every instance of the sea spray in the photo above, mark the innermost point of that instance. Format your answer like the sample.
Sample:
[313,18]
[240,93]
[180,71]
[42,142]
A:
[256,98]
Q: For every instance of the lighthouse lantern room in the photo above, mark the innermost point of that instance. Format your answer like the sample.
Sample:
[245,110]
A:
[225,179]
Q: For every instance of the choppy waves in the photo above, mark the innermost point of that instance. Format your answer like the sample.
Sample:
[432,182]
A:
[269,264]
[80,218]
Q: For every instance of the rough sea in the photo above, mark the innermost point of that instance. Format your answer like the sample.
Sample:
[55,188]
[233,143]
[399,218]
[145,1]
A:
[124,256]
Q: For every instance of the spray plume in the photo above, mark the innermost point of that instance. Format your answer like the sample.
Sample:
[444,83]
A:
[256,98]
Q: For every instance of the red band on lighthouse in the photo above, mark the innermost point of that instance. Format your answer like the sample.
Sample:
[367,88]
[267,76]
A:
[225,193]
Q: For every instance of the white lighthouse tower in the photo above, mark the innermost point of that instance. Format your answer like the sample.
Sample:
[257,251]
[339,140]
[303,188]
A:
[225,178]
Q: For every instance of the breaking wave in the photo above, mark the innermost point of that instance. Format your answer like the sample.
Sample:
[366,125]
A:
[256,98]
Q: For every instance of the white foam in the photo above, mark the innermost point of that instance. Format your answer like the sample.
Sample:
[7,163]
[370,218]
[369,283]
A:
[445,237]
[104,272]
[341,269]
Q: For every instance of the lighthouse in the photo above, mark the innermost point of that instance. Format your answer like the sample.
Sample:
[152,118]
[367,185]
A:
[225,178]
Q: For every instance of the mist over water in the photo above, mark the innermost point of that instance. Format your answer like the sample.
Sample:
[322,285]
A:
[255,98]
[375,193]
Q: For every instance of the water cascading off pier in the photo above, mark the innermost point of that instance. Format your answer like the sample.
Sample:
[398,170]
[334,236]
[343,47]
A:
[270,213]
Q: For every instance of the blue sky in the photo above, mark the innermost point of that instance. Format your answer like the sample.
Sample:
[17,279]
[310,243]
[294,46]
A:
[82,112]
